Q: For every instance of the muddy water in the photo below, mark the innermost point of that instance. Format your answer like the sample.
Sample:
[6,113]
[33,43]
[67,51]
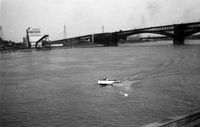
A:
[59,87]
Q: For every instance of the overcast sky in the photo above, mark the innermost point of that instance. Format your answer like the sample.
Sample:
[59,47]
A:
[83,17]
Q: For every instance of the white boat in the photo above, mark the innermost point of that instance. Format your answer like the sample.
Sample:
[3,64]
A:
[107,81]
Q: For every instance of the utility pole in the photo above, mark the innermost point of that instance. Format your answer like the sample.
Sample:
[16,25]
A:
[102,29]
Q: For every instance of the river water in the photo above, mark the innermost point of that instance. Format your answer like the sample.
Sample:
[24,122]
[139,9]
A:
[58,88]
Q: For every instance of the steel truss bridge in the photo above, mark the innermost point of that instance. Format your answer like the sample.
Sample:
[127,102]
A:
[178,32]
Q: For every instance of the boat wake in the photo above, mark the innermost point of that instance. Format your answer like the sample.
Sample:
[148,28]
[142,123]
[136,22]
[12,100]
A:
[124,94]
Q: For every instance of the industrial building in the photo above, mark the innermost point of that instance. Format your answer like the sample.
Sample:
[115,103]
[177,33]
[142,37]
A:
[32,36]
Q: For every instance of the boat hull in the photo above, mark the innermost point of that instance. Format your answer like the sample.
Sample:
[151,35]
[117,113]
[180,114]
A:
[104,82]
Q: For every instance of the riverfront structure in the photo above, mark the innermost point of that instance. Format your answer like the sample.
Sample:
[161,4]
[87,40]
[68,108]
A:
[32,36]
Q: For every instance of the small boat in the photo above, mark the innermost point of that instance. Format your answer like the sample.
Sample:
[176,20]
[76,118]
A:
[106,81]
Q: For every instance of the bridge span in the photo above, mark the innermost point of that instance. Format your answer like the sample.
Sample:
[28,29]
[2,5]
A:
[178,32]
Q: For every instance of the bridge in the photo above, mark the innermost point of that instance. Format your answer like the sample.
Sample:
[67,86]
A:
[178,32]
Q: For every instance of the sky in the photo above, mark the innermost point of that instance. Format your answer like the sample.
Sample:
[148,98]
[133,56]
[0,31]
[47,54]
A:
[82,17]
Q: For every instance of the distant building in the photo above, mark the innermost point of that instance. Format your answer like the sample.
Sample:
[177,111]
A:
[25,41]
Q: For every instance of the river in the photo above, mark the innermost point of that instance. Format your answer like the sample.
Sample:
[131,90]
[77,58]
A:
[58,88]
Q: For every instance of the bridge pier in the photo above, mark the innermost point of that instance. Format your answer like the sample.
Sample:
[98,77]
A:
[114,39]
[178,34]
[111,39]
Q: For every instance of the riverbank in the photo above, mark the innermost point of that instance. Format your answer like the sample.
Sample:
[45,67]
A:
[53,48]
[90,45]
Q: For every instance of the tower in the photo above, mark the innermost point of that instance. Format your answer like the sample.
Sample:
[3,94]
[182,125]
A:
[1,33]
[65,32]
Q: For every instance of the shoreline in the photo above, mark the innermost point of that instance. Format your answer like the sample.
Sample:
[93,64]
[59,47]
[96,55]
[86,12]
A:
[90,45]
